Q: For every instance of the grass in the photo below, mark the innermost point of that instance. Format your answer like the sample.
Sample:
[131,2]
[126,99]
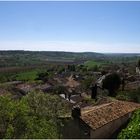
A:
[133,95]
[27,76]
[92,63]
[89,100]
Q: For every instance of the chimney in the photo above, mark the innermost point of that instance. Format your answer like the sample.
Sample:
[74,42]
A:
[76,112]
[94,92]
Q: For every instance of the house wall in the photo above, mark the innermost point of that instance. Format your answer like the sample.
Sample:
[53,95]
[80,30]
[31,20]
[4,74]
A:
[107,130]
[75,129]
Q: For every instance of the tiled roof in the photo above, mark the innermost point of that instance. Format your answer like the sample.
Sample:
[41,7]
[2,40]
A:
[97,116]
[43,86]
[26,87]
[71,82]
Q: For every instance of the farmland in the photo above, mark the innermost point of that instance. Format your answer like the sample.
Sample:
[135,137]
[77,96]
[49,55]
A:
[60,77]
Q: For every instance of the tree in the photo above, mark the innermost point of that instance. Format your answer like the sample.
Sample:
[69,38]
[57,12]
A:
[13,118]
[112,83]
[35,116]
[71,67]
[94,92]
[139,63]
[43,76]
[87,82]
[45,110]
[59,89]
[60,69]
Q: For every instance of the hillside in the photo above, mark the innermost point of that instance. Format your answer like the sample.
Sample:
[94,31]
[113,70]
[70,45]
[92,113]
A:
[25,58]
[33,58]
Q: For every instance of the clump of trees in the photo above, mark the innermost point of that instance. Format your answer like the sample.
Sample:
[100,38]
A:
[60,69]
[112,83]
[86,83]
[7,76]
[43,76]
[59,89]
[71,67]
[93,68]
[35,116]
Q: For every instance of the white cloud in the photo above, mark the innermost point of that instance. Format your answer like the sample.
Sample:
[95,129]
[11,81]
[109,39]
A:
[69,46]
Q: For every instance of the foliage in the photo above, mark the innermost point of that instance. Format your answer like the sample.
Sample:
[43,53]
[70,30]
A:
[71,67]
[93,64]
[27,76]
[34,116]
[88,100]
[60,69]
[139,63]
[93,68]
[112,83]
[132,131]
[133,95]
[5,77]
[59,89]
[32,58]
[87,82]
[43,76]
[20,74]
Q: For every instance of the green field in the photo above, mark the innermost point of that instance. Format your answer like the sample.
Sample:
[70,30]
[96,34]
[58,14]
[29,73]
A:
[27,76]
[92,63]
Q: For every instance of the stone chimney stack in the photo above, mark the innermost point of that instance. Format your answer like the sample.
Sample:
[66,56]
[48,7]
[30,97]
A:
[94,92]
[76,112]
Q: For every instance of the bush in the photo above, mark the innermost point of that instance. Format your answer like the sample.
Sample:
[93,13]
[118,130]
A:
[43,76]
[58,89]
[87,82]
[35,116]
[93,68]
[132,131]
[133,95]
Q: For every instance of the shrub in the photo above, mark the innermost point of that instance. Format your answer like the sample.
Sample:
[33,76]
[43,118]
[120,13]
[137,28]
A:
[87,82]
[35,116]
[43,76]
[133,95]
[132,131]
[112,83]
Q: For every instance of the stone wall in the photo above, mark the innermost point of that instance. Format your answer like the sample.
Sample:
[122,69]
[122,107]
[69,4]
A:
[107,130]
[75,129]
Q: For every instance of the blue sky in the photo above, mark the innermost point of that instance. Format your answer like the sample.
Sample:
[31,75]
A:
[70,26]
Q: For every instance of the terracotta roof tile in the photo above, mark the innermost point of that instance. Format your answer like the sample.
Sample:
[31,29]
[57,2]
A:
[98,116]
[72,83]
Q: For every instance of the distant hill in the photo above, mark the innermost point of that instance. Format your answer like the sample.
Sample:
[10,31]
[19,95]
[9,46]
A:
[25,58]
[53,53]
[36,58]
[122,54]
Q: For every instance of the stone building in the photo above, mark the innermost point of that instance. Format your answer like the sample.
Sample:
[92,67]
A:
[101,121]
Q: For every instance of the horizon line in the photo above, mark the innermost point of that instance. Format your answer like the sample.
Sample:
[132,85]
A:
[74,51]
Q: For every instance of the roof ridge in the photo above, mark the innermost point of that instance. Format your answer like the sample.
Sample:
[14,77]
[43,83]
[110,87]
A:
[96,118]
[97,107]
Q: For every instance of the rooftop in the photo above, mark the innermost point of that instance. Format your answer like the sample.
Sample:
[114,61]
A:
[97,116]
[71,82]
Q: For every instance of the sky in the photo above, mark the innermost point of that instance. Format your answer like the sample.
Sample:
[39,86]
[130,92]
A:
[86,26]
